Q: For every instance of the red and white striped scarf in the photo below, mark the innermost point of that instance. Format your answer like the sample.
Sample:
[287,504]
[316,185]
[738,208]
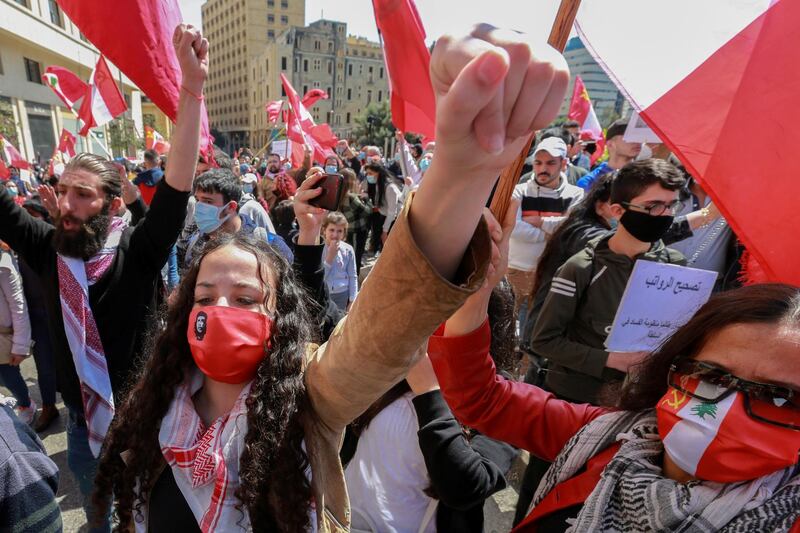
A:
[205,461]
[75,276]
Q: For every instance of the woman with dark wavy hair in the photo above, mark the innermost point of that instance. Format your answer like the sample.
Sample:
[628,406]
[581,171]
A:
[236,421]
[705,437]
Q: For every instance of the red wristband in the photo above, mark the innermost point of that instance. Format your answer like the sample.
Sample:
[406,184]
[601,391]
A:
[198,97]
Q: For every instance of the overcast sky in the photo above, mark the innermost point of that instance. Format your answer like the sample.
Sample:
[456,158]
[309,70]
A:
[438,16]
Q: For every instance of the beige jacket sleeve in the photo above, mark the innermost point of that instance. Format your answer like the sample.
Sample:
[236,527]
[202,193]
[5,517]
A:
[401,304]
[14,312]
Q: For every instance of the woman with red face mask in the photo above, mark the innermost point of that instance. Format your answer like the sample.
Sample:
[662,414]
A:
[706,435]
[236,420]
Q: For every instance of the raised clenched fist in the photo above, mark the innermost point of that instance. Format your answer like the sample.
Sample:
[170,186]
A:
[192,51]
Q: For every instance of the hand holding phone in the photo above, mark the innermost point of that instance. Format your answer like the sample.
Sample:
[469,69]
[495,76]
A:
[332,186]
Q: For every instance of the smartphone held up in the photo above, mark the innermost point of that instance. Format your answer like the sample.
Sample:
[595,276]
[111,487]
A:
[332,186]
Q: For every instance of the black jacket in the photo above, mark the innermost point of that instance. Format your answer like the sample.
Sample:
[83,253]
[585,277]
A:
[122,301]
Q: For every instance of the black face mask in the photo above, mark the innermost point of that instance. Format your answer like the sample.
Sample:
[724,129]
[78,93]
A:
[645,227]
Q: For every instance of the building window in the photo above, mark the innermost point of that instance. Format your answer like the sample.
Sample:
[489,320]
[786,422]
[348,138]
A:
[33,71]
[305,89]
[330,46]
[284,20]
[316,45]
[283,63]
[347,118]
[380,95]
[270,3]
[330,91]
[349,94]
[270,34]
[283,90]
[55,14]
[369,97]
[285,4]
[381,74]
[271,18]
[305,65]
[330,67]
[317,64]
[350,70]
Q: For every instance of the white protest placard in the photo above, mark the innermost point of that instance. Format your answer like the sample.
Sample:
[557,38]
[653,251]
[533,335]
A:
[282,147]
[658,300]
[639,132]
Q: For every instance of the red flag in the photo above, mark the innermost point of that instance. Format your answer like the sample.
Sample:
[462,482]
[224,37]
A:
[300,128]
[274,110]
[312,96]
[66,144]
[103,101]
[408,65]
[154,141]
[67,86]
[144,51]
[706,100]
[581,110]
[13,156]
[4,172]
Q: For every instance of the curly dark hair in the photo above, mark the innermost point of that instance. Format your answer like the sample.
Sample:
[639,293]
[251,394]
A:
[274,488]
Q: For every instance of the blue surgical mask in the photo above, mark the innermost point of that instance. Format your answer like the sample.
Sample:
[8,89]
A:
[248,188]
[424,164]
[331,169]
[372,179]
[207,218]
[12,192]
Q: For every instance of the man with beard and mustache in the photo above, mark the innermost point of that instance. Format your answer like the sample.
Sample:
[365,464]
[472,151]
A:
[545,201]
[101,277]
[276,185]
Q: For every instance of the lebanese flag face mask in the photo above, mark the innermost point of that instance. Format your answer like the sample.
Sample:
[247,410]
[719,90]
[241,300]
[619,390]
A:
[228,344]
[719,441]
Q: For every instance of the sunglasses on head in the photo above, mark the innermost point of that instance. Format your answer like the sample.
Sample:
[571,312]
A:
[772,404]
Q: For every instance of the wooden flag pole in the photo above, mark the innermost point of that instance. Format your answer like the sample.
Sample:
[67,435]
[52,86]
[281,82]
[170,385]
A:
[559,35]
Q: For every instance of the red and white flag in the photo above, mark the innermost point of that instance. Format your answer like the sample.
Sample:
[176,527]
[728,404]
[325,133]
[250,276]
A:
[103,101]
[5,173]
[581,111]
[301,128]
[154,141]
[714,96]
[274,110]
[13,157]
[66,145]
[408,66]
[67,86]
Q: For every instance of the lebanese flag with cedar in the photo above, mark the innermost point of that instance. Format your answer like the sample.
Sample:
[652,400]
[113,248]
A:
[13,157]
[724,99]
[154,141]
[408,66]
[581,111]
[67,86]
[103,101]
[66,145]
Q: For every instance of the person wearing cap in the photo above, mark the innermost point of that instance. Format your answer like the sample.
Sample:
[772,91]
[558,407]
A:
[620,153]
[250,207]
[544,203]
[587,145]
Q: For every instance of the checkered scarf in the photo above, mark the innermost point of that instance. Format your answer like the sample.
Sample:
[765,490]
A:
[205,461]
[75,276]
[633,495]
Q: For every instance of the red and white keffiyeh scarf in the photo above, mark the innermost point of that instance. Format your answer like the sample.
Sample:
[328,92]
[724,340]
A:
[205,461]
[75,276]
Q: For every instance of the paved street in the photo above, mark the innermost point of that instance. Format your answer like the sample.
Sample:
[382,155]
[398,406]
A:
[499,509]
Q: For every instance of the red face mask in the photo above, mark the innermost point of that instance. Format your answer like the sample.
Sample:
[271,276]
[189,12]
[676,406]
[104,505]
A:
[720,441]
[227,343]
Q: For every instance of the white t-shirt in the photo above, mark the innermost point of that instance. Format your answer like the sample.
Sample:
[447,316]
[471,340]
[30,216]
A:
[387,476]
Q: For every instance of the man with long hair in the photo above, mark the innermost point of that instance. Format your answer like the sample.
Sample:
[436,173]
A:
[101,277]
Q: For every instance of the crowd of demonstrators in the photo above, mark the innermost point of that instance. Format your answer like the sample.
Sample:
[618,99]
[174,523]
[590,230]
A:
[545,201]
[703,436]
[251,382]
